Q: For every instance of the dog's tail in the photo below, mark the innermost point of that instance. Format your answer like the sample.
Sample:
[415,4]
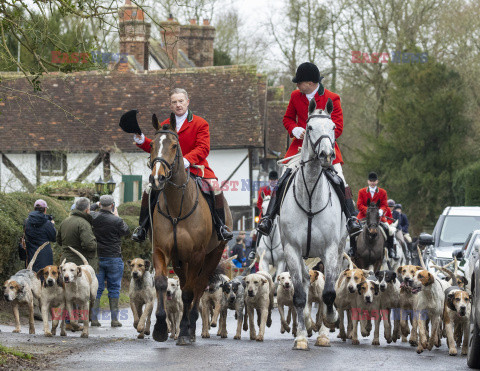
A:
[85,261]
[422,263]
[32,262]
[448,272]
[351,264]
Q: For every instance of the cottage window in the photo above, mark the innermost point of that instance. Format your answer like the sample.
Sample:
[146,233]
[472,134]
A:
[52,163]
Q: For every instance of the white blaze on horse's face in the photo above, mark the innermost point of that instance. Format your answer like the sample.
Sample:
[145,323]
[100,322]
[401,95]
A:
[266,201]
[321,141]
[157,167]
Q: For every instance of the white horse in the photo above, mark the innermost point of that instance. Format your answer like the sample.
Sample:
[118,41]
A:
[393,264]
[312,223]
[271,245]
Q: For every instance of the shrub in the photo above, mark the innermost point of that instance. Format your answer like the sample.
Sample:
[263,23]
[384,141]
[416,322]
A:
[67,188]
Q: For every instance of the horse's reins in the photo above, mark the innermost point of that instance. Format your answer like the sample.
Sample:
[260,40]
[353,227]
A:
[270,247]
[183,187]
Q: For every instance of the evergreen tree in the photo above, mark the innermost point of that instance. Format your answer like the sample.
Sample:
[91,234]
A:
[423,144]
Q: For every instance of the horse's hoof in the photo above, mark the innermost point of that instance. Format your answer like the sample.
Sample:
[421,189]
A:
[160,332]
[301,344]
[193,338]
[322,341]
[183,340]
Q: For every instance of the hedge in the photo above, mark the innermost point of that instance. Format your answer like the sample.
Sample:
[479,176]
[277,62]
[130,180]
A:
[14,208]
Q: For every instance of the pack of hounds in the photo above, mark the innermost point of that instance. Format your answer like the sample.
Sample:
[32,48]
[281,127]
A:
[423,307]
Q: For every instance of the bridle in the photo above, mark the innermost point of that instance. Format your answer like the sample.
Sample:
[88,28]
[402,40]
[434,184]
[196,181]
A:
[169,166]
[369,225]
[315,144]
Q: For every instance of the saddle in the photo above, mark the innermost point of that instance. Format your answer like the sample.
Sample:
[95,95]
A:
[206,190]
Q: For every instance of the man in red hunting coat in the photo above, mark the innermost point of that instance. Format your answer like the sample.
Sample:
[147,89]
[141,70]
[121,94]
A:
[309,85]
[194,137]
[267,190]
[374,194]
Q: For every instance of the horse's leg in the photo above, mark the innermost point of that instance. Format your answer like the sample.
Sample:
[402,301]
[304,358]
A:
[193,320]
[301,280]
[187,299]
[280,267]
[331,275]
[160,330]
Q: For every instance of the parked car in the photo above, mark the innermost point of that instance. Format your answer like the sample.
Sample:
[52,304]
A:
[473,357]
[468,255]
[450,232]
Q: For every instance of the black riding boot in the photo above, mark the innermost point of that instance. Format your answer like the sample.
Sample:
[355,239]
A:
[392,251]
[265,224]
[223,233]
[353,227]
[140,233]
[353,247]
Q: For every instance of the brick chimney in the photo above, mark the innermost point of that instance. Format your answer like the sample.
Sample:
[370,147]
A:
[134,33]
[197,42]
[170,35]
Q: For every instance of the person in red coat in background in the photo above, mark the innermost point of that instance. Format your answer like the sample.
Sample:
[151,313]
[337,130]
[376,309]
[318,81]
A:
[309,85]
[267,190]
[194,138]
[374,194]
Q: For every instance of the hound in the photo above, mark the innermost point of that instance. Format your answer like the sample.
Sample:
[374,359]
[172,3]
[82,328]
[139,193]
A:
[457,314]
[234,299]
[211,302]
[367,302]
[285,298]
[346,288]
[52,298]
[315,292]
[21,289]
[174,306]
[260,290]
[141,292]
[430,302]
[389,297]
[81,287]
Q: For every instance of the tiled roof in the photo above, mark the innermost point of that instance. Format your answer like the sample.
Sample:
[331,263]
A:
[81,111]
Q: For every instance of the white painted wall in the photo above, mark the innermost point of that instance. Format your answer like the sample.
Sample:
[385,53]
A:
[223,162]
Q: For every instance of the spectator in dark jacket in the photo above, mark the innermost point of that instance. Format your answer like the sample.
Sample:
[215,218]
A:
[403,220]
[109,228]
[238,249]
[39,228]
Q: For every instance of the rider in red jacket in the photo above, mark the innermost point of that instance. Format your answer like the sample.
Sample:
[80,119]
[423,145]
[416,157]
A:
[373,193]
[309,85]
[194,137]
[267,190]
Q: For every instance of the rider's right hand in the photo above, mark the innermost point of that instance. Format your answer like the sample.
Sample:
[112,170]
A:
[139,139]
[298,132]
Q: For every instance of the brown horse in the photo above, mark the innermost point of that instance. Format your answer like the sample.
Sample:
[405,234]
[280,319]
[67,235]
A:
[370,241]
[183,232]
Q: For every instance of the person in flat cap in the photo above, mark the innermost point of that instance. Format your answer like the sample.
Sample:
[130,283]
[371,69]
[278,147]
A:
[310,87]
[369,194]
[108,229]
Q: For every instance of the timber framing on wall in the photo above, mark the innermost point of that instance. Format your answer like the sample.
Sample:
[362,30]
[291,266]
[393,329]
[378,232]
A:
[18,174]
[91,166]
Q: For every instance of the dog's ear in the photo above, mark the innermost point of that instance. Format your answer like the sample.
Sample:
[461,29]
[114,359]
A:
[450,298]
[465,281]
[278,278]
[129,262]
[359,288]
[399,269]
[60,279]
[147,264]
[376,287]
[394,276]
[346,272]
[79,271]
[431,279]
[377,274]
[264,281]
[244,284]
[40,274]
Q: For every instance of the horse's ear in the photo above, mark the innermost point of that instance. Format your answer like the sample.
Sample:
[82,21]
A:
[329,106]
[173,122]
[155,123]
[312,106]
[368,202]
[378,203]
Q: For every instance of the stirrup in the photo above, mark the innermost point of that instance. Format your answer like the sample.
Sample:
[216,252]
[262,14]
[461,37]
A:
[224,234]
[139,234]
[265,226]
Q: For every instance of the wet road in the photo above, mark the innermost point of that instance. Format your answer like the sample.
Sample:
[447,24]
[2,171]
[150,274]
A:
[119,349]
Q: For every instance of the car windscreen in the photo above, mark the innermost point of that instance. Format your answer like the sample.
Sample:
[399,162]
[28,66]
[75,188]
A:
[456,228]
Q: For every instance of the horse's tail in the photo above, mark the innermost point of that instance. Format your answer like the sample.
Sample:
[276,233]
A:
[350,262]
[40,248]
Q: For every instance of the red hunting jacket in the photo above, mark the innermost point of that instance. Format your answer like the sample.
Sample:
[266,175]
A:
[363,197]
[194,138]
[263,191]
[297,114]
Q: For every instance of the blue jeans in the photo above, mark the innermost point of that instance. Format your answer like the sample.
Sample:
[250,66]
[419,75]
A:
[110,270]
